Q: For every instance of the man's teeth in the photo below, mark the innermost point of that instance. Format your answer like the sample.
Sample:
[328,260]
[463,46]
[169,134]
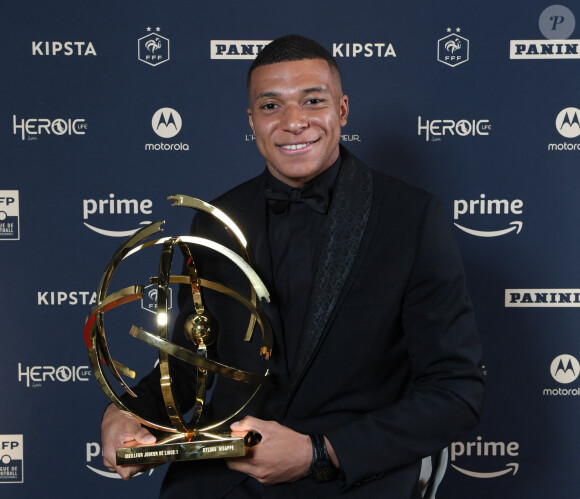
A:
[294,147]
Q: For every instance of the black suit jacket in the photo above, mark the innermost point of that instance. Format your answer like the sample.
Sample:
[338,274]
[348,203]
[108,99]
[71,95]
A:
[388,366]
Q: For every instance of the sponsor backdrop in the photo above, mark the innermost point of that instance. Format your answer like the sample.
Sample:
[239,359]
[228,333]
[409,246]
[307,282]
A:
[109,107]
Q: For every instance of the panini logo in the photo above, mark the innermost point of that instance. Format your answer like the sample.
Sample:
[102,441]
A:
[236,49]
[544,49]
[542,298]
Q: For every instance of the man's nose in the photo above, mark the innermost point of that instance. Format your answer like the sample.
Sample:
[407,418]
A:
[294,119]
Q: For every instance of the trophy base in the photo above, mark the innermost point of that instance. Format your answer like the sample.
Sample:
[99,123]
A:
[181,448]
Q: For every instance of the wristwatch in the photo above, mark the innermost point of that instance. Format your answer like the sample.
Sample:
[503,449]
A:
[321,469]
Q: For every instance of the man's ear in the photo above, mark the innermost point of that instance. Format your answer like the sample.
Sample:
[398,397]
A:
[250,120]
[343,110]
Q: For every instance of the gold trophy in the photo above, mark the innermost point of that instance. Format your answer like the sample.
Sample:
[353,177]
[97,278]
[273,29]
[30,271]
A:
[192,440]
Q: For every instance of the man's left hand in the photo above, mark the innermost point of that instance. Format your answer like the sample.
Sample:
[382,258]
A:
[283,455]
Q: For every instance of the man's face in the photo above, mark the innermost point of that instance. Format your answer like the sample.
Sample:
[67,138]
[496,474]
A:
[296,112]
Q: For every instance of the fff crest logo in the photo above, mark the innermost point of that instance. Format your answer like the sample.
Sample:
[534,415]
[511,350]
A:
[153,49]
[453,49]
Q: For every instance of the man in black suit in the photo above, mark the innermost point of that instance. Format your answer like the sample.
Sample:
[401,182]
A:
[376,360]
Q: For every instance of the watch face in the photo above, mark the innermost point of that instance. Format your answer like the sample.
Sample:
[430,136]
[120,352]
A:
[323,474]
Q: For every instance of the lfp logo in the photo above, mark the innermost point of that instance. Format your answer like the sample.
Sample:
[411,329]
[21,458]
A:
[11,459]
[568,126]
[9,216]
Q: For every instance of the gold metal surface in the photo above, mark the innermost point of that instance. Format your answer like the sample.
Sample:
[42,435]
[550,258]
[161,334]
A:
[189,441]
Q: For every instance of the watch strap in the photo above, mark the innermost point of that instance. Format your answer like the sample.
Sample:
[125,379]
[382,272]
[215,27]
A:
[321,469]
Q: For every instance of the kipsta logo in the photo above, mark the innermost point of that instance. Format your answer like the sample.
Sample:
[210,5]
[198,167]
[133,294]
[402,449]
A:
[568,122]
[63,48]
[166,122]
[565,369]
[453,49]
[377,49]
[485,206]
[153,49]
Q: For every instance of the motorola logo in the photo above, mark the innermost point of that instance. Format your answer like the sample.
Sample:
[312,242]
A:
[568,126]
[565,369]
[568,122]
[166,123]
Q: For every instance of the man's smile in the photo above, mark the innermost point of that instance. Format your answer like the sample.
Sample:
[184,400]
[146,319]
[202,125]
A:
[295,147]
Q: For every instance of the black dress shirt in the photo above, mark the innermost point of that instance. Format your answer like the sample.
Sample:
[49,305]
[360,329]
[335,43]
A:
[294,236]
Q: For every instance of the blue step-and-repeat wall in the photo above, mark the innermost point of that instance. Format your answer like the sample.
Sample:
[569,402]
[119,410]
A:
[478,102]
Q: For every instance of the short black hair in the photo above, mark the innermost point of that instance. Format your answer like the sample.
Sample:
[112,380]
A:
[292,48]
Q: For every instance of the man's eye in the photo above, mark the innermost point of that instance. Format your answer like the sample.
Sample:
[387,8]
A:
[314,101]
[269,106]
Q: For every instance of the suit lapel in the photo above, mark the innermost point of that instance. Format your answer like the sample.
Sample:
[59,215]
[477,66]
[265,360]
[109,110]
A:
[347,219]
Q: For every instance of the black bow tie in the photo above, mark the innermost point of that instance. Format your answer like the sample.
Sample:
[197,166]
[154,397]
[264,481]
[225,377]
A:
[314,195]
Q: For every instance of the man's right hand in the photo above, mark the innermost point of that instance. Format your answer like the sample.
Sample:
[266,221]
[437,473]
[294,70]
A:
[120,429]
